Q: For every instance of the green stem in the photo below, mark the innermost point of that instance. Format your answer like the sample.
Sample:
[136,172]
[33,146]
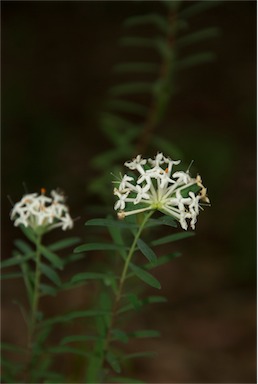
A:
[35,299]
[121,285]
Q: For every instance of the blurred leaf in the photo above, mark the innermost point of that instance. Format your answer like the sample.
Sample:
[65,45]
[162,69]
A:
[145,333]
[97,247]
[146,251]
[16,260]
[80,338]
[173,237]
[120,336]
[52,257]
[110,223]
[195,37]
[196,8]
[65,349]
[137,67]
[7,276]
[145,276]
[64,243]
[73,315]
[23,246]
[162,260]
[195,59]
[131,88]
[127,106]
[84,276]
[155,19]
[113,361]
[50,273]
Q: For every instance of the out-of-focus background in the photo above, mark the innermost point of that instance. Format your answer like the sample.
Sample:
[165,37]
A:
[57,60]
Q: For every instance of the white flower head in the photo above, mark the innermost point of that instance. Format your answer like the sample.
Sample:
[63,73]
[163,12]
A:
[42,213]
[158,187]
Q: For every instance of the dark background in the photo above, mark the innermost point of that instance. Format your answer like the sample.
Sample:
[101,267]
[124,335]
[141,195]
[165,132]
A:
[56,68]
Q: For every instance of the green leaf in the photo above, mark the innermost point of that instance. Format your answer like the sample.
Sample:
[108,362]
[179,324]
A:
[80,338]
[120,336]
[84,276]
[127,106]
[15,260]
[28,232]
[144,333]
[195,59]
[73,315]
[97,247]
[23,246]
[64,244]
[137,67]
[120,379]
[164,220]
[146,251]
[110,223]
[157,20]
[173,237]
[138,42]
[131,88]
[113,361]
[46,289]
[155,299]
[65,349]
[197,7]
[7,276]
[12,347]
[50,273]
[162,260]
[145,276]
[197,36]
[137,355]
[52,257]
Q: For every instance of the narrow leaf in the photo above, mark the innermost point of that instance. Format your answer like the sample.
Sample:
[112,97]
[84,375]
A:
[196,59]
[173,237]
[146,250]
[131,88]
[64,244]
[120,336]
[73,315]
[197,36]
[84,276]
[65,349]
[127,106]
[145,276]
[52,257]
[50,273]
[97,247]
[15,260]
[113,361]
[80,338]
[137,67]
[7,276]
[145,333]
[109,223]
[155,19]
[162,260]
[23,246]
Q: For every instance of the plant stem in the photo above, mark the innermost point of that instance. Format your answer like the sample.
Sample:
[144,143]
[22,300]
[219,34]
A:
[121,284]
[35,299]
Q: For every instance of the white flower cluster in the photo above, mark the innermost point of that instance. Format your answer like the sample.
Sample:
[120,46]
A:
[39,211]
[157,187]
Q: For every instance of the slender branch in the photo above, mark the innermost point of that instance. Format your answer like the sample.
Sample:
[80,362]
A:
[121,284]
[35,300]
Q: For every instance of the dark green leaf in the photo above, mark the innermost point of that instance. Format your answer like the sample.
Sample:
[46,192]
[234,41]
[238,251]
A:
[138,42]
[84,276]
[15,260]
[120,336]
[145,276]
[195,59]
[198,36]
[97,247]
[146,250]
[154,19]
[7,276]
[80,338]
[127,106]
[164,220]
[50,273]
[23,246]
[162,260]
[137,67]
[64,244]
[173,237]
[28,232]
[145,333]
[109,223]
[52,257]
[197,7]
[66,349]
[73,315]
[12,347]
[113,361]
[131,88]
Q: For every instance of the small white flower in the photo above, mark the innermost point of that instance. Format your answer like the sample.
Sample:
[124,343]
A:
[42,213]
[158,187]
